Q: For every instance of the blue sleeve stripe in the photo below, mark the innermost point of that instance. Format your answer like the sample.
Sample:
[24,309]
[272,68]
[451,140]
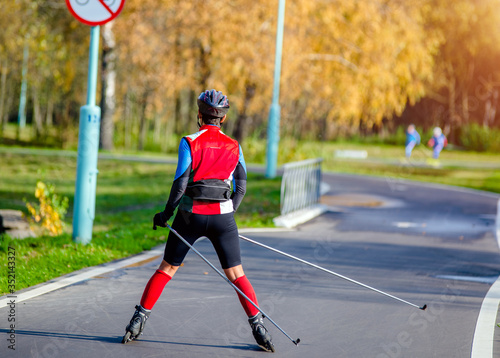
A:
[185,159]
[242,159]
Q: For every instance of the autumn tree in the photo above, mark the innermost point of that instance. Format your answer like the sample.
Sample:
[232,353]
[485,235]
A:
[348,66]
[466,76]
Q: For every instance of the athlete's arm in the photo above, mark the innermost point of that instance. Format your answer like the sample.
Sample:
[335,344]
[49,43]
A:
[239,182]
[181,177]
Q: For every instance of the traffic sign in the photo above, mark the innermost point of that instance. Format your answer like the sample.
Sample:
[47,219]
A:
[95,12]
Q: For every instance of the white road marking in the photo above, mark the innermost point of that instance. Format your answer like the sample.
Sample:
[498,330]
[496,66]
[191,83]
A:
[406,225]
[482,343]
[483,279]
[498,223]
[264,230]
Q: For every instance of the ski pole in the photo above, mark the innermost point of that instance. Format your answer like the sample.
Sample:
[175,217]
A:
[332,273]
[296,341]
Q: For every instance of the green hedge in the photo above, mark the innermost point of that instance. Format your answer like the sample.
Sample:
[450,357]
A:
[479,138]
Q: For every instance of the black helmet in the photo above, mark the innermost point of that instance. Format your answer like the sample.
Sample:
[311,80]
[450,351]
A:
[213,103]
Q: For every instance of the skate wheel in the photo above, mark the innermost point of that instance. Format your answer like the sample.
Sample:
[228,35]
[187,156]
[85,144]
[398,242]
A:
[271,348]
[126,338]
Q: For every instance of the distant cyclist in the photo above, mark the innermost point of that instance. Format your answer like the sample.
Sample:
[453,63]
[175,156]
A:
[209,162]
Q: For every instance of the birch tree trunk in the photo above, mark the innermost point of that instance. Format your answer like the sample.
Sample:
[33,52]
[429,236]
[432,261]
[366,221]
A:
[178,114]
[242,123]
[156,126]
[127,122]
[143,121]
[49,118]
[37,115]
[490,110]
[108,101]
[8,106]
[3,85]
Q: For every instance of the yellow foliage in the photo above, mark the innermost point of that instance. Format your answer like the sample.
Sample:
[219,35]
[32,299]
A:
[345,62]
[348,61]
[50,210]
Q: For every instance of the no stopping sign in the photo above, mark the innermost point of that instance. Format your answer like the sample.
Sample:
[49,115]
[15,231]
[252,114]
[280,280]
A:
[95,12]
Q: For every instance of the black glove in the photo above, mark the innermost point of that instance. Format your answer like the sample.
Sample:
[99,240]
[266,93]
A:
[161,218]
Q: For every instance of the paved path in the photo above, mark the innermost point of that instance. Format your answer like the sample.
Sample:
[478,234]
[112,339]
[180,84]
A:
[425,244]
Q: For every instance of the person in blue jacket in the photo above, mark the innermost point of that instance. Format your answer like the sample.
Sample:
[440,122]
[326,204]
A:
[437,142]
[412,139]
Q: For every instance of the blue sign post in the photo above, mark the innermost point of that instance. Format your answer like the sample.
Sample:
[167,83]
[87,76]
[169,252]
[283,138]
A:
[93,13]
[273,125]
[88,147]
[21,117]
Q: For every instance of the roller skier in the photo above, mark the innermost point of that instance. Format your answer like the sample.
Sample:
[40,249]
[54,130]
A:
[209,161]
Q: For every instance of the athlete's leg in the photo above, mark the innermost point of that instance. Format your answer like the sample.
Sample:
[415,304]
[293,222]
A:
[234,272]
[255,319]
[223,233]
[157,283]
[175,251]
[237,276]
[168,268]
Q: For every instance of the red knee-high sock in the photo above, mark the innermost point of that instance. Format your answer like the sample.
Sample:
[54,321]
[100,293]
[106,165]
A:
[246,287]
[154,288]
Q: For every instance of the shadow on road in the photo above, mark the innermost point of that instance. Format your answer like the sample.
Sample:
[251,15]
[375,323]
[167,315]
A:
[118,340]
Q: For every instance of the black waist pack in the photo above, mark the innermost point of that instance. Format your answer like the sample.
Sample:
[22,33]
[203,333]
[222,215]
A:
[209,190]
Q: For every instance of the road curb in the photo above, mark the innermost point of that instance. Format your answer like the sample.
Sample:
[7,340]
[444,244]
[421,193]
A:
[299,217]
[79,276]
[93,271]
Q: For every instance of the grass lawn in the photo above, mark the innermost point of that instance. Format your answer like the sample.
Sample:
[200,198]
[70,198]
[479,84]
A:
[129,193]
[459,168]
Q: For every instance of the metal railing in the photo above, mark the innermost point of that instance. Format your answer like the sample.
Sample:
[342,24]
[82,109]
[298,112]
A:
[300,186]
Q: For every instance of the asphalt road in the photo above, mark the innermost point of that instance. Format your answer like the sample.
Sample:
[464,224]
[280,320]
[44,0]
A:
[425,244]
